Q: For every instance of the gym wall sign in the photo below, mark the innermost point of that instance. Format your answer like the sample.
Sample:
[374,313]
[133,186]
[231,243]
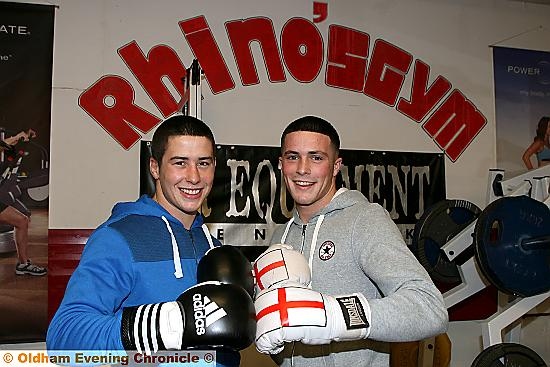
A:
[248,196]
[445,113]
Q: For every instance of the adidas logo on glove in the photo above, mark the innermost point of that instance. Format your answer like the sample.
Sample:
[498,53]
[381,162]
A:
[206,312]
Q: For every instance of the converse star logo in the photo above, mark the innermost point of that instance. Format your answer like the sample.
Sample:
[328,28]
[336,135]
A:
[326,251]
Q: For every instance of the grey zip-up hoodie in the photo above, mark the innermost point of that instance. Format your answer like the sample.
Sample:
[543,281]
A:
[354,246]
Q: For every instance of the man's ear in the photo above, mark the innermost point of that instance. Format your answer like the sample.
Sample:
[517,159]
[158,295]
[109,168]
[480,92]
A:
[337,166]
[280,164]
[154,168]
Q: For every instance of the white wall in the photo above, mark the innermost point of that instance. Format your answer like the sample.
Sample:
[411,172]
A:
[90,171]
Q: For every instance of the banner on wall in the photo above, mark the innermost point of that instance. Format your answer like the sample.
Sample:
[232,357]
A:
[522,98]
[26,57]
[248,198]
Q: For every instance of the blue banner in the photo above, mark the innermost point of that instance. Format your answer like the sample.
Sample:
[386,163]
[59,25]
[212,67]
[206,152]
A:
[522,98]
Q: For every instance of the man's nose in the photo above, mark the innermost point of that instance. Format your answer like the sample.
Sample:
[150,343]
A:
[193,175]
[303,166]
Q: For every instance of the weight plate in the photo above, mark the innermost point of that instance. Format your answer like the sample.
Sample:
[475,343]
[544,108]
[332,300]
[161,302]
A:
[508,354]
[501,235]
[440,223]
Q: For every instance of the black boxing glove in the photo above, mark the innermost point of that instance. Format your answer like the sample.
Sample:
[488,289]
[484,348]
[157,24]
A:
[226,264]
[210,315]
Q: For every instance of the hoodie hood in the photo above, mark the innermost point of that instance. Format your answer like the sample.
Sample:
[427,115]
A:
[342,199]
[146,206]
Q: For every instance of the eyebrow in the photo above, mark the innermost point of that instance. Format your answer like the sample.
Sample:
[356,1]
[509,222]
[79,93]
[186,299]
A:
[311,152]
[178,158]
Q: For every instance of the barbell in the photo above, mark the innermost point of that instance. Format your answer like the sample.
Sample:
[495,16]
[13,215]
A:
[510,241]
[512,245]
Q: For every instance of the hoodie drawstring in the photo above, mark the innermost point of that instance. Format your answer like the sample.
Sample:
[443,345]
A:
[178,273]
[208,236]
[313,240]
[283,238]
[312,246]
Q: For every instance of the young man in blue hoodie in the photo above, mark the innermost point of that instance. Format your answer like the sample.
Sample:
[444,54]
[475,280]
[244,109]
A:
[135,265]
[366,286]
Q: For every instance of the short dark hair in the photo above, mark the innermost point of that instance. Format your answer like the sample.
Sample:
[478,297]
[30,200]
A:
[316,125]
[178,125]
[542,127]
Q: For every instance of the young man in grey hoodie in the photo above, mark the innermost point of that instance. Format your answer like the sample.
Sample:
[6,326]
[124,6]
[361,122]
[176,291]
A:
[366,288]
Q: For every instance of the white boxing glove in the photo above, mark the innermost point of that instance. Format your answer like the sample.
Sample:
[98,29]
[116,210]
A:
[280,264]
[295,313]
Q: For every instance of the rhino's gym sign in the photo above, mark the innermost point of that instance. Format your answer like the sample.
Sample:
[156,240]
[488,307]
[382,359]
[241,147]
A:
[444,113]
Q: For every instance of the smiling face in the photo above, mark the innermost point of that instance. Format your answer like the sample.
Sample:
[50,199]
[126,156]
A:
[309,165]
[184,178]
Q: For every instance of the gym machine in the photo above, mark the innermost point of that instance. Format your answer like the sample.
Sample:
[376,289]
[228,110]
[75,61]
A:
[190,105]
[507,244]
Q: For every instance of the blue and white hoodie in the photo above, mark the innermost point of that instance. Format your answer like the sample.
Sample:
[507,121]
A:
[140,255]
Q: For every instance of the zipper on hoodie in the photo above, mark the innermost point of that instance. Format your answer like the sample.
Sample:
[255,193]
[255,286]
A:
[192,243]
[304,226]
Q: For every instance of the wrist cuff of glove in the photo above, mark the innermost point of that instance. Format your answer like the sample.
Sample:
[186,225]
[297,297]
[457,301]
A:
[356,316]
[126,328]
[141,328]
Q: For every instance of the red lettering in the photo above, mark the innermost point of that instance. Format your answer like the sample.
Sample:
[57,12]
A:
[348,50]
[241,34]
[320,12]
[387,70]
[302,48]
[162,61]
[116,117]
[206,50]
[423,99]
[455,124]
